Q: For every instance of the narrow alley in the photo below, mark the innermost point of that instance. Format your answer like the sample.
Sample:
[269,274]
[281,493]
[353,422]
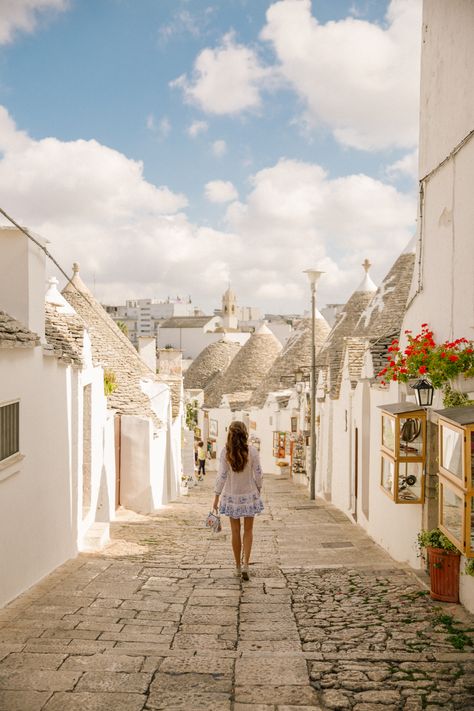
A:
[158,621]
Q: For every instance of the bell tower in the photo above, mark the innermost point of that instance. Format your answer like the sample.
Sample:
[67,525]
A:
[230,317]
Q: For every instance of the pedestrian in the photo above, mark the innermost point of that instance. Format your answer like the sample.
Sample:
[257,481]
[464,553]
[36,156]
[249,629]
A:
[201,453]
[239,480]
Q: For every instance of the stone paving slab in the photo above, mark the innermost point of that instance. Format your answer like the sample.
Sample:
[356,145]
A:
[158,621]
[23,700]
[93,701]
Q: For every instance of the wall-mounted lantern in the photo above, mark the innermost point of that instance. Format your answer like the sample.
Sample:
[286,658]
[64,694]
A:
[423,392]
[456,476]
[403,452]
[299,375]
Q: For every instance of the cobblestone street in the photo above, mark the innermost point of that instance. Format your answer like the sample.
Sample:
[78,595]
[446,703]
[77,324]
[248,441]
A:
[158,621]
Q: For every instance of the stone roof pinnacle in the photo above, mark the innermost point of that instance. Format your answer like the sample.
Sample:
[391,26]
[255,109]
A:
[367,285]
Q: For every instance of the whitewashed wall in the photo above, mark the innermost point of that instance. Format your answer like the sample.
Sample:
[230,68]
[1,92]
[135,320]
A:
[150,464]
[341,484]
[102,446]
[446,118]
[443,287]
[142,464]
[42,522]
[394,526]
[39,495]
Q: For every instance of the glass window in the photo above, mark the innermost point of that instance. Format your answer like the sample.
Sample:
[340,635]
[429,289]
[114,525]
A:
[388,432]
[411,437]
[388,474]
[471,520]
[452,511]
[9,430]
[472,459]
[452,449]
[410,480]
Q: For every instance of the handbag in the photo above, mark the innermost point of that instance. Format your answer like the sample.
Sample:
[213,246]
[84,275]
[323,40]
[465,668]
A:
[213,521]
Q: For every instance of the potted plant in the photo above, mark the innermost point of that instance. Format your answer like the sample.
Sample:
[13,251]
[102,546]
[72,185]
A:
[447,362]
[443,562]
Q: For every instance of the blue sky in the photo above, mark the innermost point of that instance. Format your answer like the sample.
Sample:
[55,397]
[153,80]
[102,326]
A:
[294,105]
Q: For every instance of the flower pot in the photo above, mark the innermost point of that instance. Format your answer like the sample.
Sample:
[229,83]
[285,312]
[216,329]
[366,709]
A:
[283,467]
[462,384]
[444,574]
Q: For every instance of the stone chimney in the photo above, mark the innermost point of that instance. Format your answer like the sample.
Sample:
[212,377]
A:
[147,351]
[56,299]
[22,278]
[170,361]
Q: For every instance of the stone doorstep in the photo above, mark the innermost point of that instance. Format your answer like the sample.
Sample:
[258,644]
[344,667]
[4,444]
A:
[96,538]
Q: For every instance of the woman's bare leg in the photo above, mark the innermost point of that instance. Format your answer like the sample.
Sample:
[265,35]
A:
[236,542]
[248,538]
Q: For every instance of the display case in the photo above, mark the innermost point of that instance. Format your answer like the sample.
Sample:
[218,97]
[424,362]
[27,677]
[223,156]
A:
[281,445]
[456,476]
[403,452]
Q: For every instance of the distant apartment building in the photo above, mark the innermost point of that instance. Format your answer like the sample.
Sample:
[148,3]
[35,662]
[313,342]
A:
[142,317]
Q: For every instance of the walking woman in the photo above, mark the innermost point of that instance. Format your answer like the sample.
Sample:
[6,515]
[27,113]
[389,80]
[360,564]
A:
[239,480]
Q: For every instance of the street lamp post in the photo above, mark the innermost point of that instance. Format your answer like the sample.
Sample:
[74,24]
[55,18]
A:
[313,276]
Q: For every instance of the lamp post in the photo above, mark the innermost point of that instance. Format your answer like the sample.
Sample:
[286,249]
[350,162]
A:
[313,276]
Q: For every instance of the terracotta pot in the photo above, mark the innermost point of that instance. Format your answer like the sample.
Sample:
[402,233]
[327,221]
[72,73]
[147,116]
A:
[444,574]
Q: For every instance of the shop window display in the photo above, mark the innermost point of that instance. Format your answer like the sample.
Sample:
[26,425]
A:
[403,447]
[456,476]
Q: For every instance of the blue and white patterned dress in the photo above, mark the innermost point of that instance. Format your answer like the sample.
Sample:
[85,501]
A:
[240,490]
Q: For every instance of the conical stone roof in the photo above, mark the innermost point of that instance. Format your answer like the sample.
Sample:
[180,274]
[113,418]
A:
[386,310]
[295,355]
[247,369]
[382,319]
[332,352]
[212,361]
[112,349]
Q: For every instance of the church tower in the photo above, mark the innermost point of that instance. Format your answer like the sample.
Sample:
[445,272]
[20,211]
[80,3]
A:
[230,316]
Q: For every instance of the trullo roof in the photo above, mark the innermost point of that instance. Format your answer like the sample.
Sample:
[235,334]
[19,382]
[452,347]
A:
[112,349]
[295,355]
[247,369]
[211,361]
[382,319]
[332,352]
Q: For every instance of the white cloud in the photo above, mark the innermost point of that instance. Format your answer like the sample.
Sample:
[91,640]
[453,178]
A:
[405,167]
[182,22]
[185,22]
[356,77]
[131,237]
[161,129]
[226,80]
[296,216]
[220,191]
[23,15]
[196,128]
[219,148]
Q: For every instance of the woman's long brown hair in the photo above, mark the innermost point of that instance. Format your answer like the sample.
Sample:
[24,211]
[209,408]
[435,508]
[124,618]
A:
[237,447]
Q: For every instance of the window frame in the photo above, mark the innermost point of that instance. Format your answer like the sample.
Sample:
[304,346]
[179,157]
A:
[7,462]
